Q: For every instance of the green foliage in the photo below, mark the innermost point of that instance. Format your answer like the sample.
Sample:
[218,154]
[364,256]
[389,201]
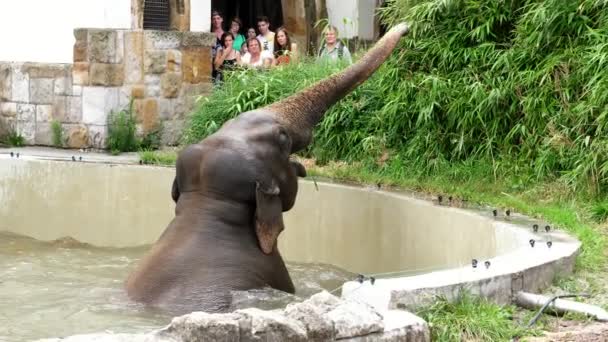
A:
[12,138]
[121,131]
[166,158]
[471,318]
[57,133]
[518,80]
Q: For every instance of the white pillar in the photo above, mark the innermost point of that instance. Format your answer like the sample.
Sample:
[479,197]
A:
[200,15]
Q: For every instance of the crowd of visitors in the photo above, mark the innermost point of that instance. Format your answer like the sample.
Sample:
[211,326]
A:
[263,48]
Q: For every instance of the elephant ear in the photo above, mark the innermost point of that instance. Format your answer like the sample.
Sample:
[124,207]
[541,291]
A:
[175,190]
[268,215]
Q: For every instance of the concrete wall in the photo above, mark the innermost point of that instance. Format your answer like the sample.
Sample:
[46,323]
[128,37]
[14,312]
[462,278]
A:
[41,30]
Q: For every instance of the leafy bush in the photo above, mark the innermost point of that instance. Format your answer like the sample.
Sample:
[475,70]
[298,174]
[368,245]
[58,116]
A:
[520,83]
[57,133]
[121,131]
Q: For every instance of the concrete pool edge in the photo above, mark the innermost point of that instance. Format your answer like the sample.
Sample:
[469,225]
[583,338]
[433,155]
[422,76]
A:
[530,269]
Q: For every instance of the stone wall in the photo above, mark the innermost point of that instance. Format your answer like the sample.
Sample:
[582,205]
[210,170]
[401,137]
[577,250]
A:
[163,72]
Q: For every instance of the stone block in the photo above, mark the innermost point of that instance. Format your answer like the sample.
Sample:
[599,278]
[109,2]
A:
[102,46]
[97,136]
[318,328]
[63,86]
[155,61]
[174,61]
[44,134]
[41,90]
[146,112]
[80,73]
[134,57]
[81,34]
[166,109]
[97,103]
[77,136]
[5,82]
[138,91]
[45,70]
[108,75]
[196,64]
[172,132]
[202,326]
[152,83]
[26,112]
[8,109]
[44,113]
[198,39]
[27,129]
[77,90]
[20,86]
[120,46]
[162,40]
[170,84]
[60,108]
[73,109]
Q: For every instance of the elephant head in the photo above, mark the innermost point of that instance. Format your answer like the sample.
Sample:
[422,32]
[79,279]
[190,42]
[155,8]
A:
[299,113]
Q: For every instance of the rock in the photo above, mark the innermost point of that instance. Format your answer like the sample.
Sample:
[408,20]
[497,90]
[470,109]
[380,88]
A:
[201,326]
[41,90]
[274,326]
[353,319]
[318,328]
[78,137]
[170,84]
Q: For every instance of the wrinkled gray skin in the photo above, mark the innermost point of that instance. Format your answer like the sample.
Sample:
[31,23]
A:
[231,190]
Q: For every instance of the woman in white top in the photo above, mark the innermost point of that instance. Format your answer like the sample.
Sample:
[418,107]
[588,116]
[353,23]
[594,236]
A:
[255,57]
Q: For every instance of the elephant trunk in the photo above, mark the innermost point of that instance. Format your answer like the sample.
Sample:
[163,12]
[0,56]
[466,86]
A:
[299,113]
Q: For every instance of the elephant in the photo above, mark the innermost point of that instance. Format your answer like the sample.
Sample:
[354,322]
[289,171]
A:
[230,192]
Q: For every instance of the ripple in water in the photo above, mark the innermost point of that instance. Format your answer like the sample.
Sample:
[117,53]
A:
[64,287]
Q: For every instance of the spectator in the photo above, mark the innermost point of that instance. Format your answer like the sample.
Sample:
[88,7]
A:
[235,27]
[256,57]
[227,57]
[216,27]
[333,49]
[251,33]
[266,37]
[284,50]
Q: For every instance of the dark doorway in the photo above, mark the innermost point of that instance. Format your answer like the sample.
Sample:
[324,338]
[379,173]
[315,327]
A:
[248,11]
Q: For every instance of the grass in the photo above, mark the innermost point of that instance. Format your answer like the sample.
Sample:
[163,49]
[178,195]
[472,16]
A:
[165,158]
[471,318]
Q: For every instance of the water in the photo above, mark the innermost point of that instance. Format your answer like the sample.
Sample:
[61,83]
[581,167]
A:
[62,288]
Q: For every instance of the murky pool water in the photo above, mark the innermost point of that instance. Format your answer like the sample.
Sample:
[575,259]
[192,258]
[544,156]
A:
[61,288]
